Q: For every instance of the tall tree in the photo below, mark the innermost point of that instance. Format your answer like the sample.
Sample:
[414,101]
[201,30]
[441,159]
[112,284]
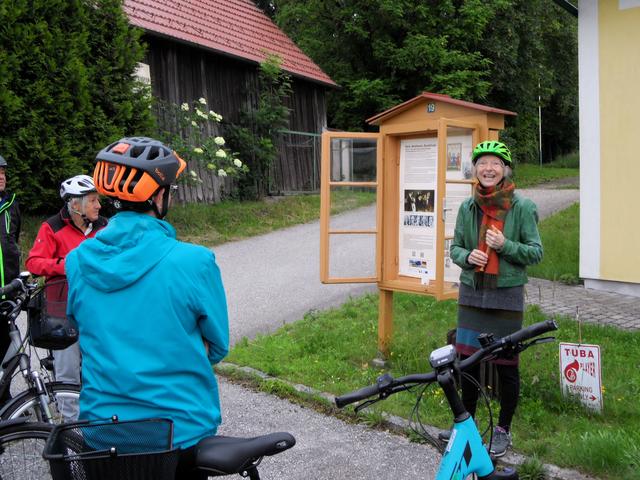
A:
[383,52]
[533,50]
[66,89]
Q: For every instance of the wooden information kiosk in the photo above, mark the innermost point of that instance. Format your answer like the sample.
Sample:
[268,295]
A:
[418,169]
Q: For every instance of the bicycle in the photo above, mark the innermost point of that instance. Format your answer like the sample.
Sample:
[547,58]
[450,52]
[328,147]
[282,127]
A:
[142,450]
[41,400]
[21,446]
[464,455]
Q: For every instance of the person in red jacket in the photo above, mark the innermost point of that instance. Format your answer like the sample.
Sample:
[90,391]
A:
[78,220]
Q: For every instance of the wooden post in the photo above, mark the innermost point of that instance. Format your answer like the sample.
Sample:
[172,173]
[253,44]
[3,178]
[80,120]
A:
[385,322]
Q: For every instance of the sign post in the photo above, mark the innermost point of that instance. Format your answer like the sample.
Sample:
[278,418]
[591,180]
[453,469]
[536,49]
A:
[580,373]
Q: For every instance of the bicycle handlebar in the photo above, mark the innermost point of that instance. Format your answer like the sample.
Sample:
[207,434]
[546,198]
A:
[386,385]
[15,284]
[358,395]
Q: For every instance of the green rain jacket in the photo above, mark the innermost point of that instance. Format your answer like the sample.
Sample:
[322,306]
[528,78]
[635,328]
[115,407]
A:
[522,245]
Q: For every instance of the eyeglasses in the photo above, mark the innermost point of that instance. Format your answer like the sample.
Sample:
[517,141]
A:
[487,163]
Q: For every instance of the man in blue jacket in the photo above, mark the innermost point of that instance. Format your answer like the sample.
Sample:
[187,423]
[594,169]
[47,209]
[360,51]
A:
[151,311]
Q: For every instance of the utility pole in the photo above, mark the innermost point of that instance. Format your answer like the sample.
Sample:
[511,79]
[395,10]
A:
[539,124]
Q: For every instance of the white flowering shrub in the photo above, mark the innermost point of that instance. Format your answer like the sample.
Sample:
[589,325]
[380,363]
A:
[193,140]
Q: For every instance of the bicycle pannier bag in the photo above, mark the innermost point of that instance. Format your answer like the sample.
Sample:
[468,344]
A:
[46,314]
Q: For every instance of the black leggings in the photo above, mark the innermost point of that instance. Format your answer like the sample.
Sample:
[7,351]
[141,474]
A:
[509,383]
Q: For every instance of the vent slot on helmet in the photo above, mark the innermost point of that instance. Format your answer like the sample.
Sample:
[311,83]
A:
[134,181]
[136,151]
[154,152]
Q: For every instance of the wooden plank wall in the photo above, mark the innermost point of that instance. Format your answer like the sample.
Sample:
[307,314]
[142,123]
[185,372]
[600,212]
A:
[182,73]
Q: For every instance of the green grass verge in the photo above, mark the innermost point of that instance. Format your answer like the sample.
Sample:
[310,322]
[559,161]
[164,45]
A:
[528,175]
[560,235]
[227,221]
[331,351]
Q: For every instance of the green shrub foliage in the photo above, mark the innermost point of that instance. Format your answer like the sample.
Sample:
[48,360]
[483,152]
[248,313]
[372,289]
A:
[66,90]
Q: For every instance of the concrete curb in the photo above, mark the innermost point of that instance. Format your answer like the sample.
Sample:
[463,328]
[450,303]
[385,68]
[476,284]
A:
[394,423]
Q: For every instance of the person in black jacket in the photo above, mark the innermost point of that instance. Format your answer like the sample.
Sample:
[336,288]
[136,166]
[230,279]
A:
[10,221]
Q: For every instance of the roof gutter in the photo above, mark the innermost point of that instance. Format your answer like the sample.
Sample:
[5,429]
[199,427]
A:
[568,6]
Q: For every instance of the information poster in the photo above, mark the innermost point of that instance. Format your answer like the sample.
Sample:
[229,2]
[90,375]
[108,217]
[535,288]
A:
[459,148]
[418,192]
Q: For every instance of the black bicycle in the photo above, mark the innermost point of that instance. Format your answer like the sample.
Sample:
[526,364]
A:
[43,399]
[21,445]
[465,455]
[143,450]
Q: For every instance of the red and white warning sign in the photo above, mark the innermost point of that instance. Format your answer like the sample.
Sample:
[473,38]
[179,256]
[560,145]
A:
[580,374]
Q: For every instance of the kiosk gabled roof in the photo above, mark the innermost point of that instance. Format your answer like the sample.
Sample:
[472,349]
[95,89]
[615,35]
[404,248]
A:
[439,97]
[237,28]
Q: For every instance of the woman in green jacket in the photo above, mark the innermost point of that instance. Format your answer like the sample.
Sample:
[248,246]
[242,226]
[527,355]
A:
[496,237]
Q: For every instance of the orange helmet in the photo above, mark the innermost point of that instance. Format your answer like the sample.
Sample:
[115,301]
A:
[133,168]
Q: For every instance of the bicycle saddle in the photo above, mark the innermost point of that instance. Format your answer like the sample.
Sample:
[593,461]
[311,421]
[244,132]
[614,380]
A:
[229,455]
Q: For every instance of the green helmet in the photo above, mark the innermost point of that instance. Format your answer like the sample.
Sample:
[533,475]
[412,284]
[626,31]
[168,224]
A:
[492,147]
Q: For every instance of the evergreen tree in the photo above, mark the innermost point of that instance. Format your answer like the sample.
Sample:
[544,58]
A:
[63,94]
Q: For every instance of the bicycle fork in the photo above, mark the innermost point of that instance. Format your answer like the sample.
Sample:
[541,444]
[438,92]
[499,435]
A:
[43,397]
[465,453]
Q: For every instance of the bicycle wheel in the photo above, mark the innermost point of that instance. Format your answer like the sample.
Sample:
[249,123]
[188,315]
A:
[21,447]
[27,403]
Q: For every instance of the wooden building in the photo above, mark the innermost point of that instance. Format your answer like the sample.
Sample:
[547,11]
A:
[212,49]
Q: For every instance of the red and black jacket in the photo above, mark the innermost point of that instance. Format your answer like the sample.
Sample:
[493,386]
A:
[57,237]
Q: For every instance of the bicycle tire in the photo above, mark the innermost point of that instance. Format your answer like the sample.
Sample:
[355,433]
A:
[21,447]
[26,403]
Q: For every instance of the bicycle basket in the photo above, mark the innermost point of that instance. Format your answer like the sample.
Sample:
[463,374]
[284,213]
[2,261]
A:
[47,317]
[112,450]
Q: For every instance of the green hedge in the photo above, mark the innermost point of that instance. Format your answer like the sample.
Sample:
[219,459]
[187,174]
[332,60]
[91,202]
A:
[66,90]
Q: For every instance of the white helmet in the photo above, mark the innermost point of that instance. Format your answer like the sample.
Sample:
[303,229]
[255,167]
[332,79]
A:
[77,186]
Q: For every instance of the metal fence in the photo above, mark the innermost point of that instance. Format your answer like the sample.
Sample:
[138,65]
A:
[297,168]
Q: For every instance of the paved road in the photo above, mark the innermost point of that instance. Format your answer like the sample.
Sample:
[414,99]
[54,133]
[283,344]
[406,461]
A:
[274,279]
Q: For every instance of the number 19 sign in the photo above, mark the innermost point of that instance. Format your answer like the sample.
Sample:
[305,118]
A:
[580,375]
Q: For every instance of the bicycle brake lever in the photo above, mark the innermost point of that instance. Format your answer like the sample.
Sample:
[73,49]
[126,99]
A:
[362,405]
[541,340]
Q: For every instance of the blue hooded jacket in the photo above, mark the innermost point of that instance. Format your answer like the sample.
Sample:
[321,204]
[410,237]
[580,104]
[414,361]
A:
[143,302]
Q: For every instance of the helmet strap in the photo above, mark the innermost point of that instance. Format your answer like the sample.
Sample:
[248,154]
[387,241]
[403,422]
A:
[161,213]
[86,226]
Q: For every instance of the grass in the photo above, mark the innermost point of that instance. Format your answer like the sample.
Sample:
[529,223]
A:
[560,235]
[528,175]
[331,351]
[227,221]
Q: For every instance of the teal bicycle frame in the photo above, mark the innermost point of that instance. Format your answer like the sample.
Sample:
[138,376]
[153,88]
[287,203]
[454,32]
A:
[465,454]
